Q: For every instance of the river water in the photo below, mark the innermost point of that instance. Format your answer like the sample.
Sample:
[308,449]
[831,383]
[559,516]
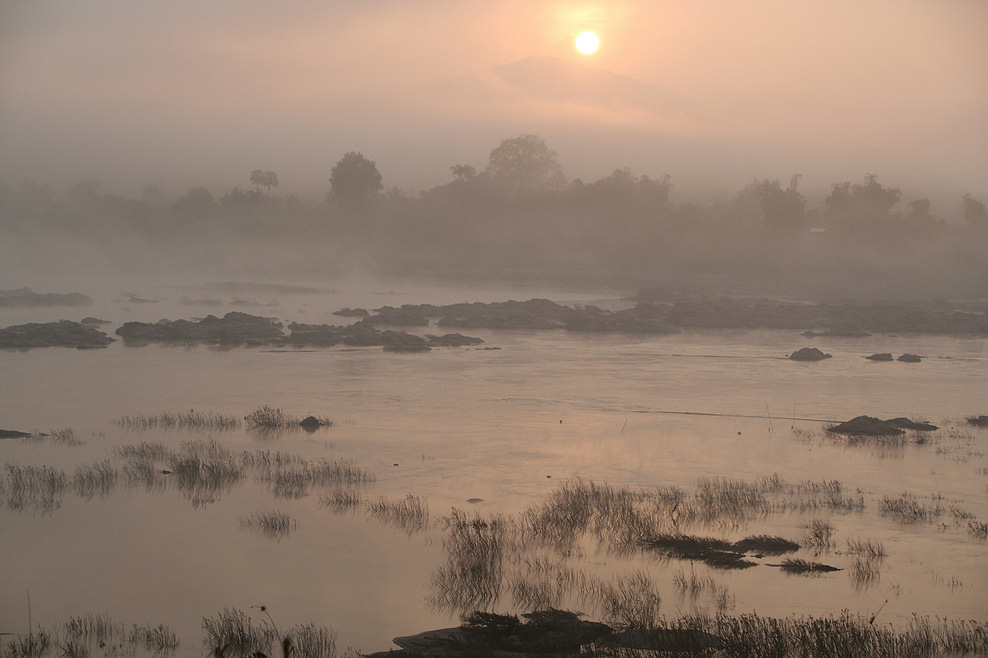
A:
[508,426]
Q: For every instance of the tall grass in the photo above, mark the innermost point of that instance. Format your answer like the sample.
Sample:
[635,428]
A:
[191,420]
[62,436]
[233,633]
[907,508]
[474,570]
[159,639]
[95,479]
[36,487]
[203,470]
[266,418]
[272,524]
[410,513]
[32,645]
[846,635]
[294,479]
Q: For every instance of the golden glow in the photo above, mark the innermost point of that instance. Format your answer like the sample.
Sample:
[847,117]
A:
[587,43]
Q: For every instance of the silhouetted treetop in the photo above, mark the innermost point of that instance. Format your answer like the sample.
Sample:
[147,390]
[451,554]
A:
[525,164]
[355,181]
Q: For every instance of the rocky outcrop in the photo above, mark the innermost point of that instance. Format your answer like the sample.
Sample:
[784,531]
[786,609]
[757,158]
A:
[880,356]
[14,434]
[27,297]
[64,333]
[809,354]
[910,358]
[871,426]
[234,328]
[556,633]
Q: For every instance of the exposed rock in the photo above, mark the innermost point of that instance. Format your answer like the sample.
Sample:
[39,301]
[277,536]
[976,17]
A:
[555,633]
[978,421]
[804,566]
[399,341]
[64,333]
[27,297]
[408,315]
[234,328]
[865,426]
[90,320]
[453,340]
[915,425]
[910,358]
[14,434]
[870,426]
[880,356]
[809,354]
[352,312]
[310,423]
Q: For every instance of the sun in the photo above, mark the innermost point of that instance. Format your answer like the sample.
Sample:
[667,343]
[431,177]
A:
[587,43]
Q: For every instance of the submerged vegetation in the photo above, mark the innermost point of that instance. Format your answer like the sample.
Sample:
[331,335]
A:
[191,419]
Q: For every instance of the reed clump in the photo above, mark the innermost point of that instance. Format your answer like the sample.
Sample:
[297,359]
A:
[232,632]
[410,513]
[91,628]
[267,418]
[869,548]
[61,436]
[159,639]
[273,524]
[204,469]
[907,508]
[475,555]
[294,480]
[33,645]
[37,487]
[97,479]
[191,420]
[341,500]
[843,635]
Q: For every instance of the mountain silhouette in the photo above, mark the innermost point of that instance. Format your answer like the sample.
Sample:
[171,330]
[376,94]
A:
[556,81]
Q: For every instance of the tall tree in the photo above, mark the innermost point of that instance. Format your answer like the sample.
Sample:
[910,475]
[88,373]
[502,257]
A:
[524,165]
[355,181]
[265,179]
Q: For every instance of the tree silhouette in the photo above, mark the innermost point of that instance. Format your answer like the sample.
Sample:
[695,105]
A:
[525,164]
[265,179]
[355,181]
[974,212]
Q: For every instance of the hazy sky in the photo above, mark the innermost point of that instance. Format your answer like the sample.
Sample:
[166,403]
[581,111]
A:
[177,93]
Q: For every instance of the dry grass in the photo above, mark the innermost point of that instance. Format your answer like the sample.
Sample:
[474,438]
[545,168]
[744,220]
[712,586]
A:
[190,420]
[271,524]
[410,513]
[33,487]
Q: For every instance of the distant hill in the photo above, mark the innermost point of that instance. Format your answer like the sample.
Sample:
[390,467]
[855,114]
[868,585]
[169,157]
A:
[559,82]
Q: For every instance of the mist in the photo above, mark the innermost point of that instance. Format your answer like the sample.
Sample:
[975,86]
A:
[112,113]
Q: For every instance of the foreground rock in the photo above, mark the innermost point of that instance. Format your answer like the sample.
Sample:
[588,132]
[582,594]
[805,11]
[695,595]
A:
[871,426]
[64,333]
[978,421]
[556,633]
[14,434]
[880,356]
[910,358]
[27,297]
[809,354]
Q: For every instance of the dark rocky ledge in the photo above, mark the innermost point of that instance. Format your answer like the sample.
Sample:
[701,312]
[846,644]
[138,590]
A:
[64,333]
[237,328]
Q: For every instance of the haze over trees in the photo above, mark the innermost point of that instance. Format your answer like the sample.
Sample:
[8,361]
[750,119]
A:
[518,219]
